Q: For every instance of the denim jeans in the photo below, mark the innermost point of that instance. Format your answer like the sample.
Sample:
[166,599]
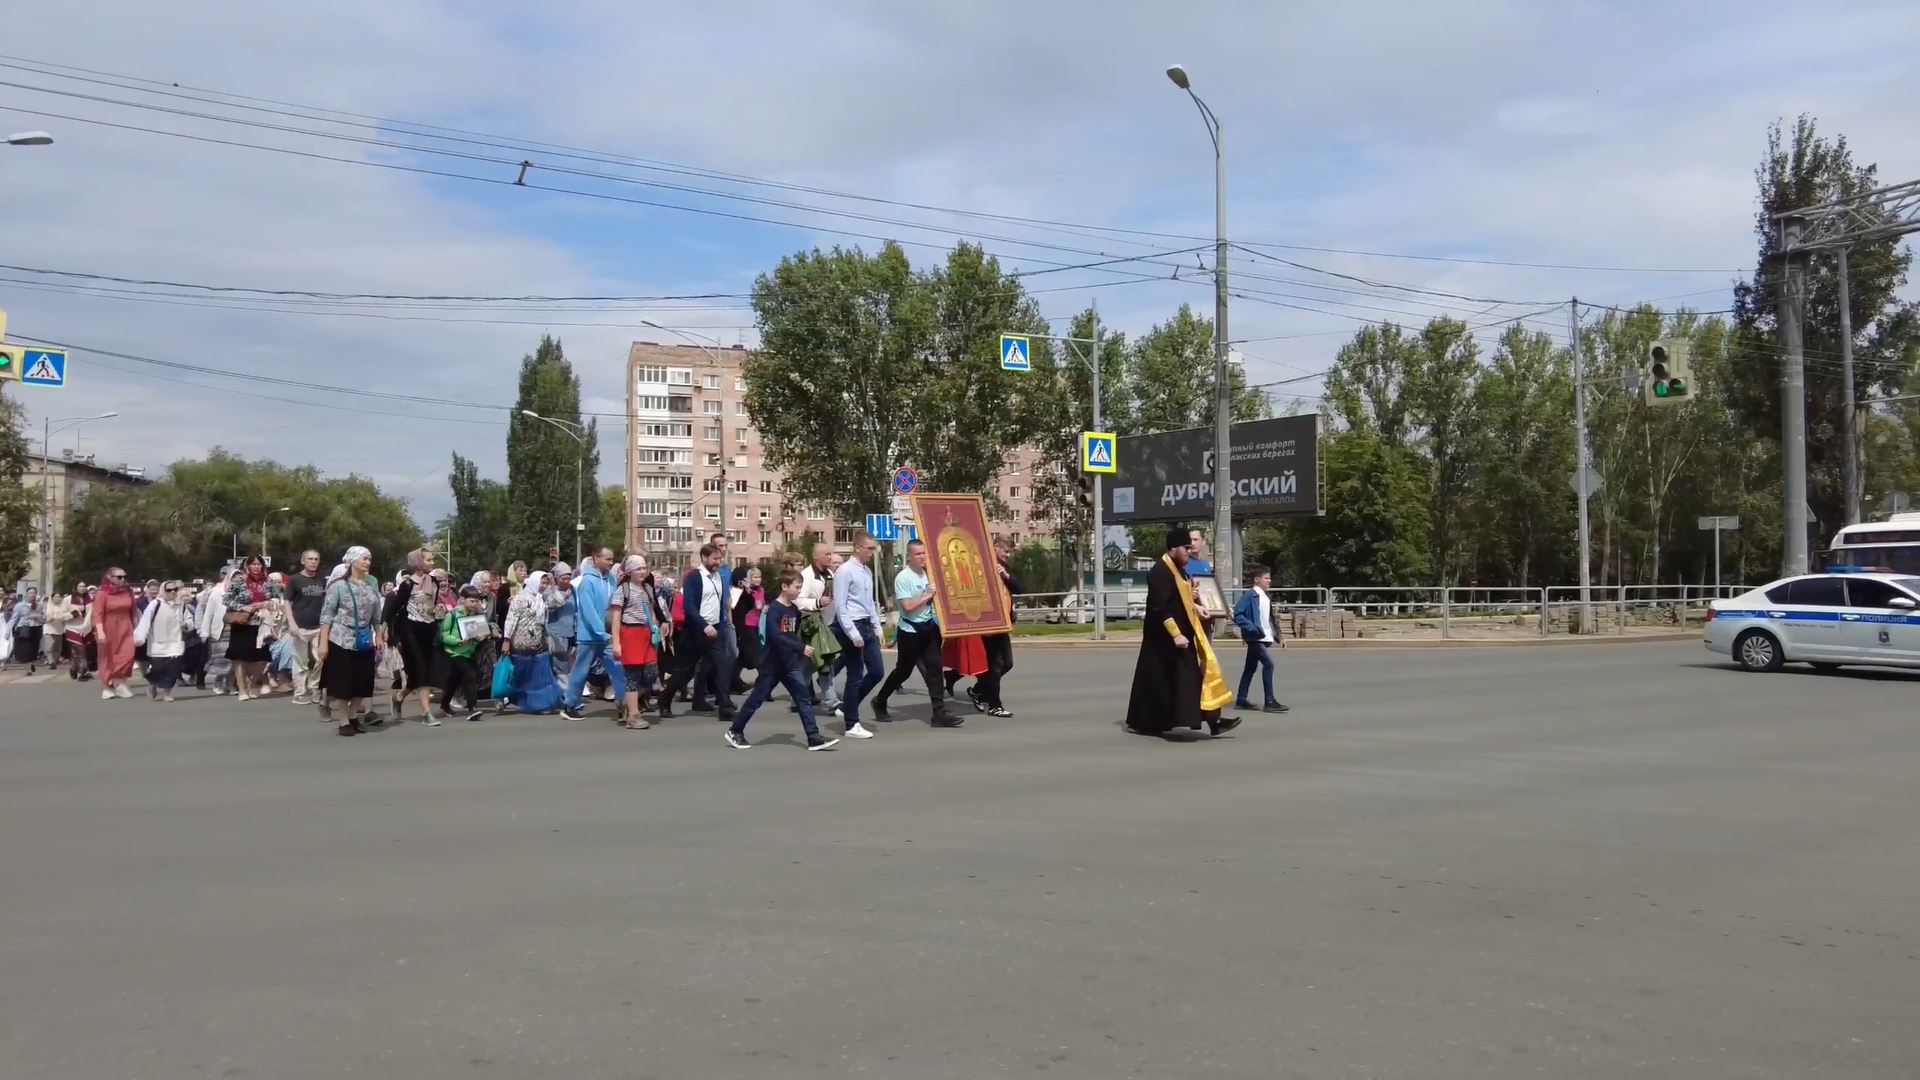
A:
[1258,655]
[865,668]
[585,654]
[770,676]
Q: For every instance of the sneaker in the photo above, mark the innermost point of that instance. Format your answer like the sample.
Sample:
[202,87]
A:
[880,712]
[999,711]
[326,714]
[346,729]
[167,697]
[1223,725]
[476,716]
[947,721]
[122,691]
[430,720]
[737,740]
[106,695]
[701,708]
[855,731]
[1273,707]
[1243,704]
[973,695]
[574,712]
[822,743]
[636,723]
[302,699]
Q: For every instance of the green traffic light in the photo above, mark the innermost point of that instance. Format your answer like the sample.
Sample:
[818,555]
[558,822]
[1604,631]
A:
[1660,389]
[1678,388]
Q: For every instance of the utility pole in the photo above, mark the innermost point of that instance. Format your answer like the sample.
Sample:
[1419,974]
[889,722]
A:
[1581,454]
[1850,428]
[1793,403]
[1099,509]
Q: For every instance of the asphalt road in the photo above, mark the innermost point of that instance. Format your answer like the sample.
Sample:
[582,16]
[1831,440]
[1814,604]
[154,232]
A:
[1597,861]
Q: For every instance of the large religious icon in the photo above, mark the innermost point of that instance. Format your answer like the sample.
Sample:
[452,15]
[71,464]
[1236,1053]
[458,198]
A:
[967,596]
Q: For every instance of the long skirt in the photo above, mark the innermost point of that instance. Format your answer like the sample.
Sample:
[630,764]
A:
[243,645]
[419,642]
[163,672]
[534,688]
[26,644]
[347,675]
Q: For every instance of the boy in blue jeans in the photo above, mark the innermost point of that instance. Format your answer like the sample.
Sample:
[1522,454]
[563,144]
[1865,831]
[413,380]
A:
[784,661]
[1253,615]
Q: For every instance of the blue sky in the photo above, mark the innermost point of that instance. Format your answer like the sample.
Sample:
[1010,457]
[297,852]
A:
[1581,134]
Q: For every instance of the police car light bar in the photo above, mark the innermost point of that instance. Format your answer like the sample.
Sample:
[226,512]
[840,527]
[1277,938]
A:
[1858,570]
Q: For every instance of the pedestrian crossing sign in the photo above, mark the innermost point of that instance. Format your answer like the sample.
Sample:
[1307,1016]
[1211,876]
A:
[1097,452]
[43,367]
[1016,352]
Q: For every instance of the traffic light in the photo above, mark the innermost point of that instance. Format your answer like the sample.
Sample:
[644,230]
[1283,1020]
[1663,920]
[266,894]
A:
[1085,494]
[9,361]
[1668,380]
[554,554]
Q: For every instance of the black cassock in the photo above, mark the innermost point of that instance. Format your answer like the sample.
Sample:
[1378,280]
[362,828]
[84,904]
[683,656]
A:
[1166,679]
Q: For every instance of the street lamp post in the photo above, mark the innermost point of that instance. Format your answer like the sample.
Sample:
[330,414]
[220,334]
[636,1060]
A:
[579,471]
[718,363]
[263,528]
[30,138]
[46,489]
[1226,551]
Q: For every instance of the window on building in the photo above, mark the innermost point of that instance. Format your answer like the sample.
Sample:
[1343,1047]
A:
[649,374]
[711,408]
[739,408]
[650,401]
[713,513]
[766,487]
[741,435]
[675,403]
[740,513]
[844,535]
[766,537]
[736,536]
[650,506]
[765,513]
[1013,493]
[740,383]
[711,382]
[711,484]
[684,482]
[649,481]
[713,460]
[740,486]
[680,376]
[656,536]
[710,434]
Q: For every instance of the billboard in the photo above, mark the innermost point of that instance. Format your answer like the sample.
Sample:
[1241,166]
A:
[1168,476]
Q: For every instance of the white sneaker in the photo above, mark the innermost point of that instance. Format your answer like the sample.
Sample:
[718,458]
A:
[431,720]
[122,691]
[301,699]
[106,695]
[855,731]
[166,697]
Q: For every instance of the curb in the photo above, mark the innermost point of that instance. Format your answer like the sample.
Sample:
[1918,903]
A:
[1390,643]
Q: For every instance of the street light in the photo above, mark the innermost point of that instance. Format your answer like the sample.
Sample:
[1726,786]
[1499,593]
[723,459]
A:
[579,469]
[30,138]
[1225,551]
[46,489]
[263,528]
[718,362]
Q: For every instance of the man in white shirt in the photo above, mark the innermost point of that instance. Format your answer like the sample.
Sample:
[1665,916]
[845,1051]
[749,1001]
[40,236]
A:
[856,622]
[816,600]
[698,650]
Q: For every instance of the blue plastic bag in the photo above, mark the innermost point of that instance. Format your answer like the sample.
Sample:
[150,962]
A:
[502,679]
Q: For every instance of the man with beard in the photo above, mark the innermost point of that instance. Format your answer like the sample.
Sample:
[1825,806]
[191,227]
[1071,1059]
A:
[1176,681]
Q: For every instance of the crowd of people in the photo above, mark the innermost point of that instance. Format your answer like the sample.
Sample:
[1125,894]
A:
[544,642]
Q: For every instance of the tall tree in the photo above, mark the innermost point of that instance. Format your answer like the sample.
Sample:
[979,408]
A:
[1366,387]
[865,365]
[1057,482]
[548,468]
[478,527]
[1439,398]
[1375,530]
[1172,372]
[18,505]
[1521,457]
[1803,168]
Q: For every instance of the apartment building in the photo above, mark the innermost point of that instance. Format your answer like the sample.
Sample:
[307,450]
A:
[695,465]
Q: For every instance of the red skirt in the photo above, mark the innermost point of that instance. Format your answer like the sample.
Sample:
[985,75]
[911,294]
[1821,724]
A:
[636,645]
[966,655]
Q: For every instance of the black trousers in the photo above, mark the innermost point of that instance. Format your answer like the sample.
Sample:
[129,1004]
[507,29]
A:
[918,649]
[999,649]
[462,676]
[697,657]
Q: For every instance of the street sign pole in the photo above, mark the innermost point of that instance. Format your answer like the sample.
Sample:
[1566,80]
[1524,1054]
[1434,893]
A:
[1580,456]
[1718,525]
[1099,511]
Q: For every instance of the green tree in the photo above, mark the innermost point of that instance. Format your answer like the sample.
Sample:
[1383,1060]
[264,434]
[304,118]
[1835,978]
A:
[478,527]
[865,365]
[18,504]
[613,523]
[1375,530]
[1440,400]
[1056,484]
[189,523]
[1802,168]
[1366,386]
[547,468]
[1521,456]
[1172,375]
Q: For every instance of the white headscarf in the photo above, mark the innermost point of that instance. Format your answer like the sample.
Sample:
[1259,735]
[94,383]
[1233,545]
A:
[353,555]
[531,600]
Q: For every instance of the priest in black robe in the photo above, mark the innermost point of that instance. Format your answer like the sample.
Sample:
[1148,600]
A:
[1176,681]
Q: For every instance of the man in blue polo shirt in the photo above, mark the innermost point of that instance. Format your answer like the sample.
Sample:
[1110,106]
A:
[917,639]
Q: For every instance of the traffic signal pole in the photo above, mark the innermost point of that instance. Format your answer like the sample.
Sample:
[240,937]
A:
[1581,454]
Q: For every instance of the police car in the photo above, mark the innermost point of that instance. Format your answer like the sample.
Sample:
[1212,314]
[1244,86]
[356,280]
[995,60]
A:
[1839,617]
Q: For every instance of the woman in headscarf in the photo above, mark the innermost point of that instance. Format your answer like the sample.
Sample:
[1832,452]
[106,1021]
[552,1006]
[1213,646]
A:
[350,640]
[79,633]
[638,660]
[214,632]
[113,631]
[413,619]
[251,599]
[525,639]
[163,629]
[29,620]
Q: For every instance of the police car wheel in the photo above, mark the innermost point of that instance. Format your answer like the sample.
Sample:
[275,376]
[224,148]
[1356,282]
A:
[1757,650]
